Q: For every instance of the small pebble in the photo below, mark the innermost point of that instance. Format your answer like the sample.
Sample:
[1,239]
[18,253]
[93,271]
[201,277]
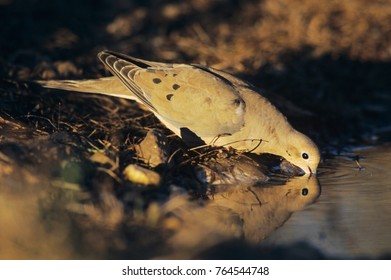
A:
[142,176]
[153,150]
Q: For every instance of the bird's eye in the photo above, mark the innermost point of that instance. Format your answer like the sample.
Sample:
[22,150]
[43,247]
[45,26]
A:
[305,155]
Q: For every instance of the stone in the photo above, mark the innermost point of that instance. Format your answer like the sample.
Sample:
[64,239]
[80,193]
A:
[141,176]
[153,150]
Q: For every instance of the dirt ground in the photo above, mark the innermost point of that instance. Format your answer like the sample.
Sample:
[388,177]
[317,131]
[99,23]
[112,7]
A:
[63,191]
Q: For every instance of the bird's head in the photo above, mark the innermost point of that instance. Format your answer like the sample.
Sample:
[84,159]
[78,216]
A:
[301,151]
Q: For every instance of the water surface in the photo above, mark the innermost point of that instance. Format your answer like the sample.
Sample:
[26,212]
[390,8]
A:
[352,216]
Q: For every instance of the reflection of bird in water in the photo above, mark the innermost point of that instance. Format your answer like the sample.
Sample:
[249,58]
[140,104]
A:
[249,212]
[264,209]
[202,104]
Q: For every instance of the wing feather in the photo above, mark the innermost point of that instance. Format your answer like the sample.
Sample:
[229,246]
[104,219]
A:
[125,71]
[182,96]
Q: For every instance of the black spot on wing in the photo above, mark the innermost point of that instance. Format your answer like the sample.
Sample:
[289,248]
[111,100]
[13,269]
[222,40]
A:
[169,96]
[175,86]
[156,80]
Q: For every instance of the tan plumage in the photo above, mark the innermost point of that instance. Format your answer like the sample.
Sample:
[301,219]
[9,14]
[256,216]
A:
[201,103]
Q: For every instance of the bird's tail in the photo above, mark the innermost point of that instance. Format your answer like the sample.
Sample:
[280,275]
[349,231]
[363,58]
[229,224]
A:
[106,86]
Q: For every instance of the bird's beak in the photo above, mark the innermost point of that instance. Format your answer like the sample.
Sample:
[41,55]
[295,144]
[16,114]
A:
[312,172]
[297,171]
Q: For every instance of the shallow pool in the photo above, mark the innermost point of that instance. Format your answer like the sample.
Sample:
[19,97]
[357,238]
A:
[352,216]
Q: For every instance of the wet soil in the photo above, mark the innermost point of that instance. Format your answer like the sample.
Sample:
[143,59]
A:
[63,190]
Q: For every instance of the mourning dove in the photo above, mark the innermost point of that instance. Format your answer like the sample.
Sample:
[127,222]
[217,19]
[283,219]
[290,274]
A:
[199,103]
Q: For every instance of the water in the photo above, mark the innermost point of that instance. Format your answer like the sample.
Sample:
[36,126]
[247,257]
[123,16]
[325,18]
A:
[352,216]
[344,212]
[249,212]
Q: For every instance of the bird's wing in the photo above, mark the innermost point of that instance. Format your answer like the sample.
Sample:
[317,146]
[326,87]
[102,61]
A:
[230,79]
[185,96]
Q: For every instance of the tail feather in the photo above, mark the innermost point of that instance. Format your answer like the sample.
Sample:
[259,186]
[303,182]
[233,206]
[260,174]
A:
[107,86]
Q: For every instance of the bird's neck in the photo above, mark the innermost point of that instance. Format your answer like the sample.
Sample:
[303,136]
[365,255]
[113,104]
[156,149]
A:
[267,125]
